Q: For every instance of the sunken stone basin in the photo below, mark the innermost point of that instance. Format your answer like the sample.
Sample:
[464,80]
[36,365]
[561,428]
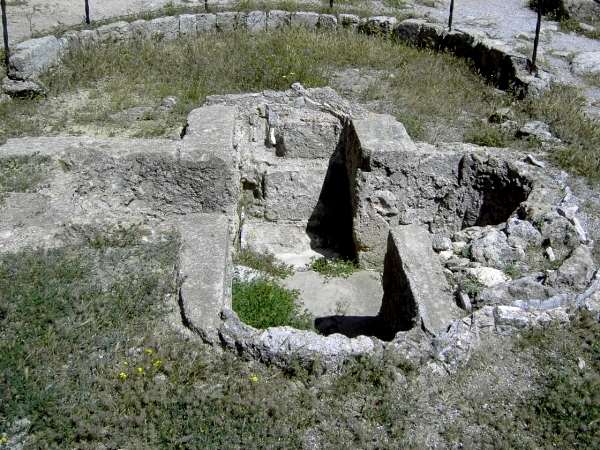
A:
[323,177]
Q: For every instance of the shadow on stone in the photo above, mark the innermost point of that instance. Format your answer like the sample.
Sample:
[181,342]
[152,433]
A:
[354,326]
[494,191]
[330,224]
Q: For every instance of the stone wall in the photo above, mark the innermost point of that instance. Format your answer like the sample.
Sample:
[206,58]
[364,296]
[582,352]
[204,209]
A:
[495,61]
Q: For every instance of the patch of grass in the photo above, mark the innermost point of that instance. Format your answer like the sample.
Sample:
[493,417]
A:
[22,173]
[565,413]
[395,3]
[471,286]
[331,268]
[93,83]
[263,304]
[562,108]
[487,135]
[264,263]
[120,237]
[570,25]
[594,80]
[91,364]
[513,270]
[63,333]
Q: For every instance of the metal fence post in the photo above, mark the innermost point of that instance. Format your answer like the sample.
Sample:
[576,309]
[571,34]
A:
[331,4]
[451,14]
[5,33]
[540,5]
[87,12]
[206,5]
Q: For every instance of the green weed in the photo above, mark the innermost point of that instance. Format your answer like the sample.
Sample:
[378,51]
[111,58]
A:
[513,271]
[263,262]
[119,237]
[471,286]
[562,108]
[22,173]
[486,135]
[331,268]
[263,304]
[570,25]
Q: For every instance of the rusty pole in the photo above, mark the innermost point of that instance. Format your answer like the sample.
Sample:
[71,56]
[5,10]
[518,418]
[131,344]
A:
[451,14]
[5,33]
[87,12]
[538,26]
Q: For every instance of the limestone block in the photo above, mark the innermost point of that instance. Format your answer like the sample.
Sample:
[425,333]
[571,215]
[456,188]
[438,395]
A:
[114,32]
[292,193]
[256,21]
[327,21]
[380,133]
[188,24]
[303,133]
[305,19]
[227,21]
[409,31]
[203,271]
[278,19]
[30,58]
[22,88]
[206,22]
[348,21]
[88,37]
[164,28]
[289,243]
[208,147]
[140,29]
[378,25]
[416,292]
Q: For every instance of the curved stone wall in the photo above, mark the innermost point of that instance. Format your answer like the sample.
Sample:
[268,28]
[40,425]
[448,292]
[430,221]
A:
[491,58]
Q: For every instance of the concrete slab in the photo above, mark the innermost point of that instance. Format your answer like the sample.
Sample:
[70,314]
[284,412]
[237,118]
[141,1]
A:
[415,288]
[289,243]
[204,272]
[358,295]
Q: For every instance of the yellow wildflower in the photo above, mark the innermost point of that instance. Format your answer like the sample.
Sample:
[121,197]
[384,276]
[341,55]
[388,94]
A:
[253,378]
[140,370]
[122,376]
[148,351]
[157,363]
[3,439]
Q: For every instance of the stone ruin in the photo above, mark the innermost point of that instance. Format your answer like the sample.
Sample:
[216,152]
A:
[304,173]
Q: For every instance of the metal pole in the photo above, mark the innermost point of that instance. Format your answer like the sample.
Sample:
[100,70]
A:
[451,14]
[87,12]
[538,26]
[5,33]
[206,5]
[331,4]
